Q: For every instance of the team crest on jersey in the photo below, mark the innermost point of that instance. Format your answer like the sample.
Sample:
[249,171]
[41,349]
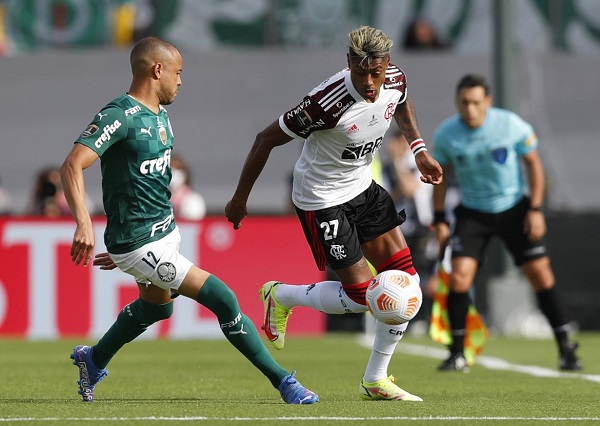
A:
[499,155]
[166,272]
[91,129]
[389,111]
[162,132]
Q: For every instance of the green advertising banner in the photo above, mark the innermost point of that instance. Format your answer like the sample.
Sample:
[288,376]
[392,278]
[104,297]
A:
[466,25]
[32,24]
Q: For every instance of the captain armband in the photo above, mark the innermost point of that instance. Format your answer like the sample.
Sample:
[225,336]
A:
[418,145]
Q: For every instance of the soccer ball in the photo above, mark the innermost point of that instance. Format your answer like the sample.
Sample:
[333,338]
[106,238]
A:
[394,297]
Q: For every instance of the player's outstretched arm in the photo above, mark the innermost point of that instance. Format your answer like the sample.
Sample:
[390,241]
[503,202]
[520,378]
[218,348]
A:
[265,141]
[71,175]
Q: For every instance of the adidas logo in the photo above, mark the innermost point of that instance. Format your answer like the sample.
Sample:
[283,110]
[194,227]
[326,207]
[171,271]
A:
[352,129]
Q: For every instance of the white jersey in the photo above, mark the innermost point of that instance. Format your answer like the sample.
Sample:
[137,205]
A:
[343,132]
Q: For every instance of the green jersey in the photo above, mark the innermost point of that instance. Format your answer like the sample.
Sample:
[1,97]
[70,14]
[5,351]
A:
[134,145]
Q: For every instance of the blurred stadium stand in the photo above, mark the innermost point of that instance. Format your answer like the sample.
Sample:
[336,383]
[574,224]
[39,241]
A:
[227,97]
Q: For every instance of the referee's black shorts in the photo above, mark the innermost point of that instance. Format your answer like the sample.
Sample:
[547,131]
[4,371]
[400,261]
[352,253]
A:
[474,229]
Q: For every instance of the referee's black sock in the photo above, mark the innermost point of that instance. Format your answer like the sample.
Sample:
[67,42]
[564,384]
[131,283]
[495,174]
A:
[548,303]
[458,308]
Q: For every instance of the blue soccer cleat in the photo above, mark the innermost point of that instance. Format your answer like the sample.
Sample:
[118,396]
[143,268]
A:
[89,374]
[292,392]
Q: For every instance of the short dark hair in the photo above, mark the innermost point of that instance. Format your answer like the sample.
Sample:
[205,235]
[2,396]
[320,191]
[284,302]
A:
[473,80]
[150,49]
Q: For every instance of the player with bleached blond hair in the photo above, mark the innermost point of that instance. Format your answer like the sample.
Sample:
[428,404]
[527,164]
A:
[348,219]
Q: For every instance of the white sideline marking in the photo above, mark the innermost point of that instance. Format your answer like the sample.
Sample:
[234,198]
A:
[489,362]
[279,419]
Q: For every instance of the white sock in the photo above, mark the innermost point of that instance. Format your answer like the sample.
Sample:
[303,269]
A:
[326,296]
[386,339]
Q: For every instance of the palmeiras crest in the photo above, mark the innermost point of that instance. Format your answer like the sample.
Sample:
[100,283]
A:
[166,271]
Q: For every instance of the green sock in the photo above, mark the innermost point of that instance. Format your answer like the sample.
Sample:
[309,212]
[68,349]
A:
[132,321]
[238,328]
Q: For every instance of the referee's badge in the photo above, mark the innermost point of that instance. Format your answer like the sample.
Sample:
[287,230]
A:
[499,155]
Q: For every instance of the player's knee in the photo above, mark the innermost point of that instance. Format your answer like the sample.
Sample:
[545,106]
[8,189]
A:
[227,302]
[539,273]
[460,281]
[219,299]
[541,281]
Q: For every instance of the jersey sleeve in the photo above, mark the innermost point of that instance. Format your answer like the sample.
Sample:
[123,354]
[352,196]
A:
[396,79]
[108,127]
[524,135]
[321,109]
[302,120]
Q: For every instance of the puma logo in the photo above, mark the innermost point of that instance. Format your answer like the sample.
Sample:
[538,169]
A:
[240,331]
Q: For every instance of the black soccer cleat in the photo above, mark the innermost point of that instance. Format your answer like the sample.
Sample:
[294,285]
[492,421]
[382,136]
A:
[568,360]
[456,362]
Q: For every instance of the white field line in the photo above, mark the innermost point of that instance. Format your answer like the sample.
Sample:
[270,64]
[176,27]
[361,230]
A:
[489,362]
[279,419]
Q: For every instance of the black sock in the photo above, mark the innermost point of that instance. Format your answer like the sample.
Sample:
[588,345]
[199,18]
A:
[548,303]
[458,308]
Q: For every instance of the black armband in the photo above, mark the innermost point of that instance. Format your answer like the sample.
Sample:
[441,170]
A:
[535,209]
[439,216]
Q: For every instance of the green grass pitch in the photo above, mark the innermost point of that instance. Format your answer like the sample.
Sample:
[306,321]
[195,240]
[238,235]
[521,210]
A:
[208,382]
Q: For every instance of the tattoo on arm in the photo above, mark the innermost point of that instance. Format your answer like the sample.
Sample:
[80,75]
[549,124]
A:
[406,118]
